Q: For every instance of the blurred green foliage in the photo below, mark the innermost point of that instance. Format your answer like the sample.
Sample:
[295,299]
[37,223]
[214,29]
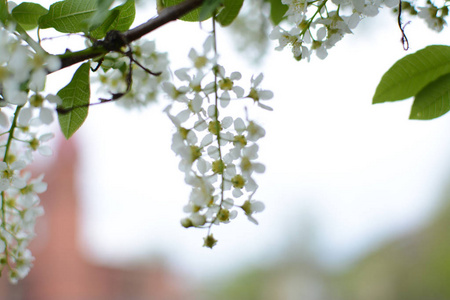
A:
[415,266]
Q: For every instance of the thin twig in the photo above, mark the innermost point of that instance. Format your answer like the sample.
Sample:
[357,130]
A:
[402,27]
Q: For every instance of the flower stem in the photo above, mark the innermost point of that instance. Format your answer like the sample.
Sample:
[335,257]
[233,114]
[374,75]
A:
[11,132]
[216,116]
[5,156]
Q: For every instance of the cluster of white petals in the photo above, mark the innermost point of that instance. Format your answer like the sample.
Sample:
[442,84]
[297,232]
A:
[25,109]
[432,14]
[218,152]
[144,88]
[316,26]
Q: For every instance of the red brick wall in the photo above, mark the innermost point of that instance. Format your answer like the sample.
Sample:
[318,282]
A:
[60,271]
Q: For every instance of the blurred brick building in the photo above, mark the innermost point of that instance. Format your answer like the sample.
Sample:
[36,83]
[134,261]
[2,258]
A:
[61,272]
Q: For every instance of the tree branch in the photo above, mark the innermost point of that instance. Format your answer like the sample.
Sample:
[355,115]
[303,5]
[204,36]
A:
[167,15]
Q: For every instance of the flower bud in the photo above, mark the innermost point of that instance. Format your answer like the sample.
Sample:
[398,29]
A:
[209,241]
[186,223]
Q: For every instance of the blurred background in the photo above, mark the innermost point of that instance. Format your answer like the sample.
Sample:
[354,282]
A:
[357,196]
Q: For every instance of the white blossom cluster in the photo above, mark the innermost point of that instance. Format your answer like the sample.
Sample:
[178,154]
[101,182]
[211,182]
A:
[218,152]
[24,110]
[114,70]
[316,26]
[432,14]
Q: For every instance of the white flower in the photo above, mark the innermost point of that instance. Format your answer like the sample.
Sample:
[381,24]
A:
[284,37]
[353,20]
[183,138]
[251,185]
[391,3]
[201,193]
[321,52]
[23,263]
[9,175]
[37,102]
[35,144]
[226,84]
[297,10]
[255,132]
[19,64]
[195,81]
[177,94]
[203,60]
[12,92]
[195,219]
[37,80]
[321,33]
[247,165]
[291,38]
[258,94]
[250,207]
[189,155]
[429,14]
[29,218]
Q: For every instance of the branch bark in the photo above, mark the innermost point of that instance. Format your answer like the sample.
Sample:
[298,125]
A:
[167,15]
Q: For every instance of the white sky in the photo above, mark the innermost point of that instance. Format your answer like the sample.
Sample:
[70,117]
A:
[355,172]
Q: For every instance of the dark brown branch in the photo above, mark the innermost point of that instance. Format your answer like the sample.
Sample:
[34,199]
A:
[70,58]
[167,15]
[404,39]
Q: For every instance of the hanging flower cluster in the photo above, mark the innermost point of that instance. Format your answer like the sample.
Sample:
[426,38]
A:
[25,109]
[218,152]
[316,26]
[432,14]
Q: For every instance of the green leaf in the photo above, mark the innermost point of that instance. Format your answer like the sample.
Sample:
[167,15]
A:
[75,95]
[127,12]
[104,5]
[208,8]
[27,14]
[101,13]
[433,101]
[193,16]
[277,11]
[69,16]
[159,5]
[98,31]
[3,11]
[120,18]
[229,12]
[412,73]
